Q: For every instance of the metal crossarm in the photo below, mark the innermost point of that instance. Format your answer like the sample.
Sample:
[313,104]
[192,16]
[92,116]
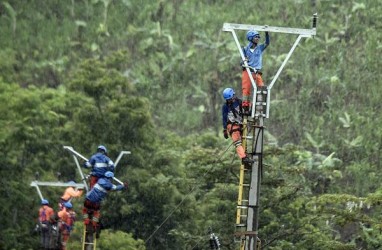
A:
[296,31]
[56,184]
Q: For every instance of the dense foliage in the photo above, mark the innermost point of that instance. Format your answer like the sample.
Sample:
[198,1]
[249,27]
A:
[147,76]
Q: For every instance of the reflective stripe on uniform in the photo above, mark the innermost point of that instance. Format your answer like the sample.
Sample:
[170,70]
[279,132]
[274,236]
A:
[100,165]
[237,143]
[97,186]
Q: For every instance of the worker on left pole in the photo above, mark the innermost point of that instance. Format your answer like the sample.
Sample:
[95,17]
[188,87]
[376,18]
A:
[44,216]
[67,217]
[69,193]
[99,163]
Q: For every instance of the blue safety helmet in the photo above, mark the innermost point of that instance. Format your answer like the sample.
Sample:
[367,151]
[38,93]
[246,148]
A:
[44,202]
[73,183]
[228,93]
[109,174]
[103,148]
[251,34]
[68,204]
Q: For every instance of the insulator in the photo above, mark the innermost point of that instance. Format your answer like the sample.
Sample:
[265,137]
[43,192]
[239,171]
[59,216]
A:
[314,20]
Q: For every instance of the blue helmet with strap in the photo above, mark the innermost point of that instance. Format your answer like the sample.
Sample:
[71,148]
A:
[102,148]
[251,34]
[228,93]
[109,174]
[68,204]
[44,202]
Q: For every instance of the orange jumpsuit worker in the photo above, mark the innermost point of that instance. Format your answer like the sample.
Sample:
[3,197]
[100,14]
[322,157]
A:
[67,217]
[233,122]
[253,55]
[44,214]
[69,193]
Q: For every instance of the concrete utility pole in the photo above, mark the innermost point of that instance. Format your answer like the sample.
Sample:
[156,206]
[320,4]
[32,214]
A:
[247,218]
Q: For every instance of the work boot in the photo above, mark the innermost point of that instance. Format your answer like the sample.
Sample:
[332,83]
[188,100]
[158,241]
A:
[247,109]
[247,162]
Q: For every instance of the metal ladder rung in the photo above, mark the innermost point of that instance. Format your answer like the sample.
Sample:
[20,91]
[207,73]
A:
[241,207]
[261,103]
[241,225]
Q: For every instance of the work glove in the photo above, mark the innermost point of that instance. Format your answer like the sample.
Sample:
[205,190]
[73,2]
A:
[85,164]
[242,64]
[225,133]
[126,185]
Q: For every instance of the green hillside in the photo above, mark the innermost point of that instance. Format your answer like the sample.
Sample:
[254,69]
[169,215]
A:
[147,77]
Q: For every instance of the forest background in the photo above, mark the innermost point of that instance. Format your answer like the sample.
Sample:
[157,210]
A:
[147,76]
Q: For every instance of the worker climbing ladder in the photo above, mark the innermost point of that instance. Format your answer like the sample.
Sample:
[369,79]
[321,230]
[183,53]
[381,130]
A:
[247,211]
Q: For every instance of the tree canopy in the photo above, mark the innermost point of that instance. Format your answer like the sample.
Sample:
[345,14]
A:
[147,76]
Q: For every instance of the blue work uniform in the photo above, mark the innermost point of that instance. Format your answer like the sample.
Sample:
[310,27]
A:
[100,190]
[231,113]
[255,56]
[100,164]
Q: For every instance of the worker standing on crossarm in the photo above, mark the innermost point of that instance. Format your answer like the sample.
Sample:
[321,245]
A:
[253,55]
[70,192]
[233,122]
[92,204]
[44,214]
[100,164]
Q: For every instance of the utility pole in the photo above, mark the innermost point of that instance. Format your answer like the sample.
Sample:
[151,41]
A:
[247,219]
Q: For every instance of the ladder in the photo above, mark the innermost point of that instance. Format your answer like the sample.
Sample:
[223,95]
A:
[89,241]
[252,143]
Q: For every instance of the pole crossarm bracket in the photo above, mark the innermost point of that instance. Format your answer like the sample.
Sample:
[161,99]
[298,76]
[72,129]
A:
[120,156]
[297,31]
[56,184]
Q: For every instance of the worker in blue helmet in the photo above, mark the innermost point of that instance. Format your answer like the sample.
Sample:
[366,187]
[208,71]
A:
[253,54]
[44,223]
[233,123]
[100,163]
[92,205]
[67,217]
